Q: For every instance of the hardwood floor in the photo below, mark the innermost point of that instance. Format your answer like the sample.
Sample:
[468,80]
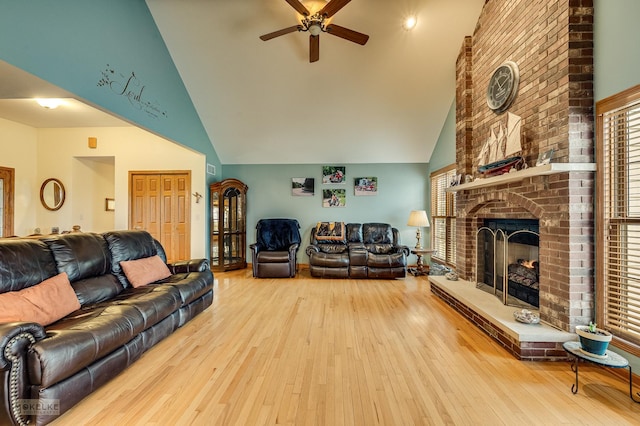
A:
[344,352]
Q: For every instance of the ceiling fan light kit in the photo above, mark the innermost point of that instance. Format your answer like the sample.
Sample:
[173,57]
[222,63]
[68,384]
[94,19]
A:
[315,29]
[315,25]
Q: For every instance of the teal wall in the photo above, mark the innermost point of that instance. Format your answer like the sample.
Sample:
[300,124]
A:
[617,46]
[444,153]
[76,43]
[616,61]
[401,188]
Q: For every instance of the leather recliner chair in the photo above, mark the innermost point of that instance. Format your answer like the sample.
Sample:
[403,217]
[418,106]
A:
[276,248]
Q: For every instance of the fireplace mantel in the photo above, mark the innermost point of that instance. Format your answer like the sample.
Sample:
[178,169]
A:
[547,169]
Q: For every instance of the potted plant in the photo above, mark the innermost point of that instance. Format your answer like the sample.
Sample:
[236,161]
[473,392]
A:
[592,339]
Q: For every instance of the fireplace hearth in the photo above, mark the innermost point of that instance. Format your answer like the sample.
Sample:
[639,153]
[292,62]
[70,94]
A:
[539,342]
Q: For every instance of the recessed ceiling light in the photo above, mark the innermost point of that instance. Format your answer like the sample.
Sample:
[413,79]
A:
[49,103]
[410,23]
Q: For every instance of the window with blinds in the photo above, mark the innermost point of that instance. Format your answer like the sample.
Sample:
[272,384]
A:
[618,230]
[443,215]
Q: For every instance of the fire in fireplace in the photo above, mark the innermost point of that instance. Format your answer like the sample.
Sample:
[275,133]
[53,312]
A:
[507,262]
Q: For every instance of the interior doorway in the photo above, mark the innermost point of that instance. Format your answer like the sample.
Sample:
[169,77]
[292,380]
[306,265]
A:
[93,182]
[160,204]
[7,179]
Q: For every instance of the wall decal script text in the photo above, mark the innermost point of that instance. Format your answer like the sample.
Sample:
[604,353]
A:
[131,88]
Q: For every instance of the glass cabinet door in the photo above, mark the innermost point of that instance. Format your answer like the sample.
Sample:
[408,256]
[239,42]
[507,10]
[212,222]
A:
[228,227]
[215,228]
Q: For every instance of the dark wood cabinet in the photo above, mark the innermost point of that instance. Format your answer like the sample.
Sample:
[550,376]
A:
[228,225]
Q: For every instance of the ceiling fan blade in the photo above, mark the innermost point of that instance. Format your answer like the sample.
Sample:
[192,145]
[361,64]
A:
[347,34]
[314,48]
[280,32]
[299,7]
[332,7]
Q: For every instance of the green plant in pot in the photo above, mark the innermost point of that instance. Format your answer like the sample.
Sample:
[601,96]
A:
[593,340]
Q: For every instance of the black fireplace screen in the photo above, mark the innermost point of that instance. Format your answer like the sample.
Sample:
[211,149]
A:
[507,262]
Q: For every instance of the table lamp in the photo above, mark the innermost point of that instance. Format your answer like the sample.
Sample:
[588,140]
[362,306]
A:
[418,218]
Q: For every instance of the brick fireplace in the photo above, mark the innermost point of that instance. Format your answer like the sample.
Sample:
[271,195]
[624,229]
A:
[552,44]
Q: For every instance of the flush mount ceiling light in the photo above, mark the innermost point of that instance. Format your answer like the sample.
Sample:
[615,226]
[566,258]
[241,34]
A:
[410,23]
[49,103]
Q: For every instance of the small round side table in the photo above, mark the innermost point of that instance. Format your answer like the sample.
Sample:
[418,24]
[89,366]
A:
[610,359]
[421,268]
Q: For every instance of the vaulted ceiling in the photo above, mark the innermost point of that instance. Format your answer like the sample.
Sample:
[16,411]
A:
[263,102]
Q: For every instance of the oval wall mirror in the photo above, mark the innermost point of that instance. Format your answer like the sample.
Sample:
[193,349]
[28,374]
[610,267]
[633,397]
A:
[52,194]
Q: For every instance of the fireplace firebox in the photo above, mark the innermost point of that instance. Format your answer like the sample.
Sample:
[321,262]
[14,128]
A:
[507,261]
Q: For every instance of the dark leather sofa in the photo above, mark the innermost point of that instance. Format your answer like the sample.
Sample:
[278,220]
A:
[368,250]
[57,365]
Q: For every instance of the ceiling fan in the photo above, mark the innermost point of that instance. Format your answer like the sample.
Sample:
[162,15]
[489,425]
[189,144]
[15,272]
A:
[315,25]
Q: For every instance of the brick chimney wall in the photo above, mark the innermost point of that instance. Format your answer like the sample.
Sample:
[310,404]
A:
[552,43]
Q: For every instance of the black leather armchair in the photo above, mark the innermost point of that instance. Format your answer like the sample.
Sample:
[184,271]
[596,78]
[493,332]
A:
[274,253]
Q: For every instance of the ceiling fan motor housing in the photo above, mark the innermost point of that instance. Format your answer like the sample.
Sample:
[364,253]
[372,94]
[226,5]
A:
[315,25]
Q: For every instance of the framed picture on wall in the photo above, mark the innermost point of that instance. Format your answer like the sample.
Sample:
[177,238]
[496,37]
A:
[109,204]
[302,187]
[365,186]
[334,197]
[334,174]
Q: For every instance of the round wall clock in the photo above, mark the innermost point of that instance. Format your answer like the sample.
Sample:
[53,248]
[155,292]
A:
[503,86]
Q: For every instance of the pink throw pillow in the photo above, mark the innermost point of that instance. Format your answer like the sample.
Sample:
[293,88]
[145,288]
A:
[44,303]
[144,271]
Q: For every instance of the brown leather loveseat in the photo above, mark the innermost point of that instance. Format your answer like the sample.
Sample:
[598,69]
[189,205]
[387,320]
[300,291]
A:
[354,250]
[105,299]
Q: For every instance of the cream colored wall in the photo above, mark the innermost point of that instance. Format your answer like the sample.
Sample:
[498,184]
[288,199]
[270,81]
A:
[64,154]
[18,150]
[94,180]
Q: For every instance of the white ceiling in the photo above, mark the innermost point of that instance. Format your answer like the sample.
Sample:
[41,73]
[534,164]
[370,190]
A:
[264,103]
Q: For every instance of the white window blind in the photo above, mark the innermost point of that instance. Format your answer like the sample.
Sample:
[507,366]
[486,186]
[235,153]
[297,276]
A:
[443,208]
[619,204]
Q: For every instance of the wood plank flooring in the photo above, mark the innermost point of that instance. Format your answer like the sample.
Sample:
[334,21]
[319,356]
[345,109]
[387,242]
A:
[307,351]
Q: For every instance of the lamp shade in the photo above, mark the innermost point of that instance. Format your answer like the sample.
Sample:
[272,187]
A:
[418,218]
